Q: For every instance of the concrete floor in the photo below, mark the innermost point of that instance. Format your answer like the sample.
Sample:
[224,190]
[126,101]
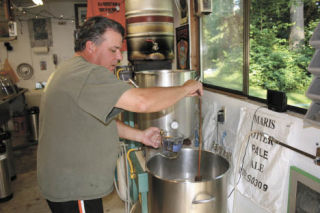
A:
[26,195]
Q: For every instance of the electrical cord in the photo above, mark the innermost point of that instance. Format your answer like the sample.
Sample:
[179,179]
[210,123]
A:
[127,199]
[116,185]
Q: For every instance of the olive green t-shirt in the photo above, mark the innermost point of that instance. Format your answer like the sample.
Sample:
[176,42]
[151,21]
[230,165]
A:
[78,141]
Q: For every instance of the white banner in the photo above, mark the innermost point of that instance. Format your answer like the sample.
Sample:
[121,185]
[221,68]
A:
[264,170]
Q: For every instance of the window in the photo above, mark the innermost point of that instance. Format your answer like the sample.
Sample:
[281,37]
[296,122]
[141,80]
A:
[222,45]
[277,42]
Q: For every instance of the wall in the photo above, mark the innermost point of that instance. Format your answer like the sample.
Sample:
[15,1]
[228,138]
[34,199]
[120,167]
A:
[302,137]
[62,35]
[63,43]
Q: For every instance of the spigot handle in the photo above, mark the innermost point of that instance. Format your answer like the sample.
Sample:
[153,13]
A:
[211,199]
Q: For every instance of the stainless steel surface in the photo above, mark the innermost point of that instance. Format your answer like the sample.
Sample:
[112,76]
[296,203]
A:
[5,183]
[10,158]
[148,7]
[150,29]
[172,188]
[150,47]
[211,199]
[34,125]
[183,114]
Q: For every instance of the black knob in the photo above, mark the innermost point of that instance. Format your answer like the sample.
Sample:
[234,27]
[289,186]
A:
[2,148]
[5,135]
[33,110]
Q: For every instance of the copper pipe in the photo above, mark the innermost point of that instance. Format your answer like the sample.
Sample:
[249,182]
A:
[293,149]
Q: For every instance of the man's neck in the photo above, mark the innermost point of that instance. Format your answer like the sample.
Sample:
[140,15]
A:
[84,55]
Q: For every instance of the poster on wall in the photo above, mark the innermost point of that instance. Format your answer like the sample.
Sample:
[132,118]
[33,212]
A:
[4,18]
[113,9]
[182,37]
[40,32]
[183,11]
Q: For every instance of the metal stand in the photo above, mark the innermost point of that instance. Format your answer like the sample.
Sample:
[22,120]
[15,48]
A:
[138,178]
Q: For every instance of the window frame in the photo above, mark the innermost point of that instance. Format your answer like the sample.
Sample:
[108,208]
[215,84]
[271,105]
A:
[246,62]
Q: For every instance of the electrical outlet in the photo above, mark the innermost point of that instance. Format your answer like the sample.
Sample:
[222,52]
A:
[222,115]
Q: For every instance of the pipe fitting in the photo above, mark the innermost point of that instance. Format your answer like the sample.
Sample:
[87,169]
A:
[132,170]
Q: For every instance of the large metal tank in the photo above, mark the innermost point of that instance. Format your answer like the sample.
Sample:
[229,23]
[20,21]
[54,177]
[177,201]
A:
[150,29]
[180,117]
[172,185]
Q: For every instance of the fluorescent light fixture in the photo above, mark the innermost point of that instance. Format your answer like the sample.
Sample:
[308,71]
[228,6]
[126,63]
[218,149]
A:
[38,2]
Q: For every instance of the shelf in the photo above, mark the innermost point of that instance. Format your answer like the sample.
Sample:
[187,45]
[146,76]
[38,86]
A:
[4,39]
[13,96]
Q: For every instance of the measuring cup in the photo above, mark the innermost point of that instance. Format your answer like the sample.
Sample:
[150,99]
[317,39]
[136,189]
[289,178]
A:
[171,143]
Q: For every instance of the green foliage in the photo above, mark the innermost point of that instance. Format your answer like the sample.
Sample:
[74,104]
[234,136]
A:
[223,52]
[273,63]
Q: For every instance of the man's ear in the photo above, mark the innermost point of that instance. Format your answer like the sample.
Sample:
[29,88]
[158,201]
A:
[90,46]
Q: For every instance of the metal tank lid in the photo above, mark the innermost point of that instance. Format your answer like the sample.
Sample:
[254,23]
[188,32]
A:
[163,71]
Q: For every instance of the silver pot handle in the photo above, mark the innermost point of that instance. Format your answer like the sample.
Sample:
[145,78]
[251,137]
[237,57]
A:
[205,200]
[133,83]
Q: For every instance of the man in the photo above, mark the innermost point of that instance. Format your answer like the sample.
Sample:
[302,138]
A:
[78,146]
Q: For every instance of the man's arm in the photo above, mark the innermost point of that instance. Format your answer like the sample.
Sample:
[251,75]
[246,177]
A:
[157,98]
[149,137]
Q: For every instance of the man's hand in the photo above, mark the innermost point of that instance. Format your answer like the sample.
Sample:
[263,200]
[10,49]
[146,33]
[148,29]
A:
[151,137]
[193,88]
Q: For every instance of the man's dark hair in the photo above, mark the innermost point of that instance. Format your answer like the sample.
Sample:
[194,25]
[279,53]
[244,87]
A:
[93,29]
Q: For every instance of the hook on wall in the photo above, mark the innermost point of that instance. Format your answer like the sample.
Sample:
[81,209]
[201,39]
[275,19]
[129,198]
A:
[8,46]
